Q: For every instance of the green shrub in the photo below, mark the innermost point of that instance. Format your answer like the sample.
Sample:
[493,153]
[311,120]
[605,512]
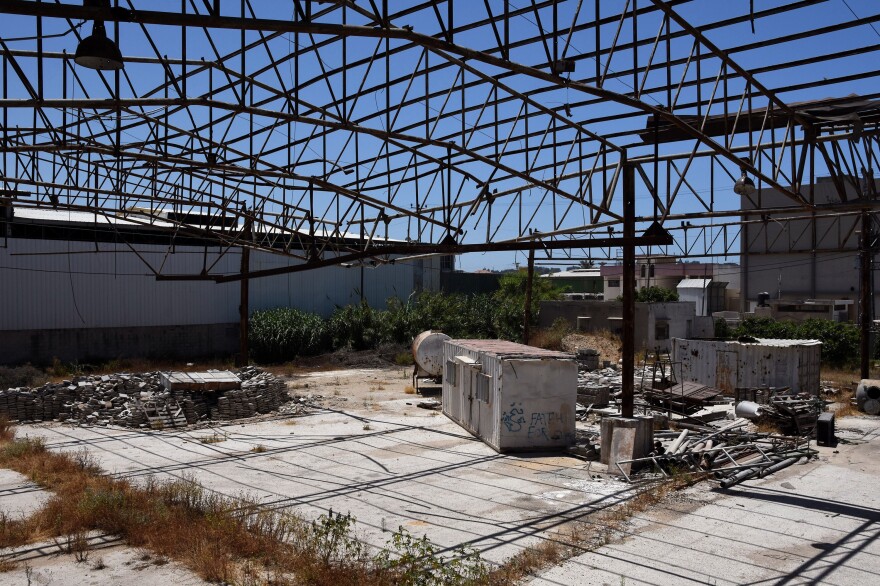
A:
[411,561]
[355,327]
[284,333]
[509,301]
[21,376]
[653,294]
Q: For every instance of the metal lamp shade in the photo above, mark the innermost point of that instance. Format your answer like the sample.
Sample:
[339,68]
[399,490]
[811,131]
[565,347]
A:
[99,52]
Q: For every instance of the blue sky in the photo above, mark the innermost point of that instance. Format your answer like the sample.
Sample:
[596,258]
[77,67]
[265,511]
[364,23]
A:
[535,209]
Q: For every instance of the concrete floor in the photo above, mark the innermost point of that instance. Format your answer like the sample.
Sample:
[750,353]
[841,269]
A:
[379,457]
[814,523]
[370,451]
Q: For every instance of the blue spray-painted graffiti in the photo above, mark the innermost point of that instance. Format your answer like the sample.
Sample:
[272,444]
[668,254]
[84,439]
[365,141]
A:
[513,419]
[538,427]
[549,426]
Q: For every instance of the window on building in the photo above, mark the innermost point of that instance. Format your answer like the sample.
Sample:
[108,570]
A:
[643,270]
[661,330]
[614,282]
[451,371]
[447,262]
[650,270]
[483,384]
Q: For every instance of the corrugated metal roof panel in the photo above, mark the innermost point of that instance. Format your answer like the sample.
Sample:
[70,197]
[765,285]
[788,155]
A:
[787,343]
[694,283]
[506,349]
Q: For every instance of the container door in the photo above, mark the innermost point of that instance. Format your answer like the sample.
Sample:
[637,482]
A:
[470,395]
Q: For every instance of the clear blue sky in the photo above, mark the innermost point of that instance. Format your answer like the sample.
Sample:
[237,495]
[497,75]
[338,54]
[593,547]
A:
[341,148]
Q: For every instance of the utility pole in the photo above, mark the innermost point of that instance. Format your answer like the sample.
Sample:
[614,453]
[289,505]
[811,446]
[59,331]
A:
[244,305]
[527,311]
[865,278]
[629,286]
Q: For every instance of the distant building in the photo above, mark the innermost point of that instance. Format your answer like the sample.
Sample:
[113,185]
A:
[578,280]
[800,310]
[667,272]
[655,323]
[707,295]
[797,260]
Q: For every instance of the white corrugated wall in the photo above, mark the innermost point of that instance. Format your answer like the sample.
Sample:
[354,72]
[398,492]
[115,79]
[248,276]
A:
[322,290]
[52,284]
[44,286]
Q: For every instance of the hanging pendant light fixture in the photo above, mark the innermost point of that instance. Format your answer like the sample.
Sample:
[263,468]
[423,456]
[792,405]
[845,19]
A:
[744,185]
[97,51]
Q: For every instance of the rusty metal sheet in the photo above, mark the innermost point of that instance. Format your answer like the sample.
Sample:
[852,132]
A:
[688,391]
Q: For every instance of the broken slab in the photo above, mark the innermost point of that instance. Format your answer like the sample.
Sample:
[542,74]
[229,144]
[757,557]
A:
[212,380]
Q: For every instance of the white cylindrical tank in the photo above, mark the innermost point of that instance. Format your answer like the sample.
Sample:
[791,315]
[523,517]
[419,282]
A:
[868,396]
[427,349]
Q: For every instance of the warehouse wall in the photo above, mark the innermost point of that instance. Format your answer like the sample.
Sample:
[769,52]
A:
[321,291]
[90,301]
[50,284]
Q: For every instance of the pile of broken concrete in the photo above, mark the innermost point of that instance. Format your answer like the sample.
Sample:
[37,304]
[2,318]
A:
[141,400]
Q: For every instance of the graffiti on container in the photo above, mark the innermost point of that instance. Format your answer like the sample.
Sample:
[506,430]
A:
[513,420]
[538,427]
[542,425]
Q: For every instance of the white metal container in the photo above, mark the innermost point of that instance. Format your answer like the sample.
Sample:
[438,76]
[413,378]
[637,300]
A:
[511,396]
[726,364]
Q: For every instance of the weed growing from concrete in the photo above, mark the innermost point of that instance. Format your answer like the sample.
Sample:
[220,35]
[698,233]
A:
[6,432]
[258,449]
[214,438]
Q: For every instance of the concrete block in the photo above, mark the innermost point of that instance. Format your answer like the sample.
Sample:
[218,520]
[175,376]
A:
[611,450]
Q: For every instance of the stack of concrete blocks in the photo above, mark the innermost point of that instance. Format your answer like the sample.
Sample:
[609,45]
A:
[140,400]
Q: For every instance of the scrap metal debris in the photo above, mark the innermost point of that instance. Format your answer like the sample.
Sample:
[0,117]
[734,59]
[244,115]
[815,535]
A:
[791,414]
[729,454]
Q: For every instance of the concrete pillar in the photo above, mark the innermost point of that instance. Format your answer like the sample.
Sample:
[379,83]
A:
[624,438]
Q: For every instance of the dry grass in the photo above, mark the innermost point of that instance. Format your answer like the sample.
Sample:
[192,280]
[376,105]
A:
[409,390]
[551,338]
[765,426]
[7,566]
[237,541]
[605,342]
[845,382]
[259,449]
[583,536]
[6,431]
[214,438]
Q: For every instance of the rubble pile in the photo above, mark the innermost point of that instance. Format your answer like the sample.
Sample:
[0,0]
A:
[793,414]
[140,400]
[598,387]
